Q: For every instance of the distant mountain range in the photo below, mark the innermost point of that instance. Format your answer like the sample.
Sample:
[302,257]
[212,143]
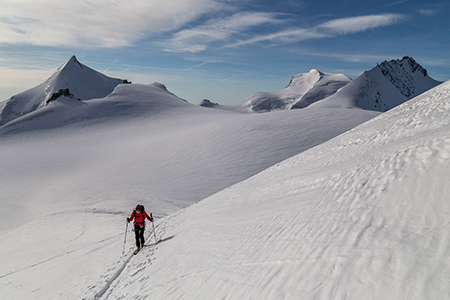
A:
[382,88]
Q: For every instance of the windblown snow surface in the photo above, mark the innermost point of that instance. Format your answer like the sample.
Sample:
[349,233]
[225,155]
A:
[363,216]
[360,216]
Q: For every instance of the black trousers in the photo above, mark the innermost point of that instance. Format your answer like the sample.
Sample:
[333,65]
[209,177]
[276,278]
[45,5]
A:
[139,232]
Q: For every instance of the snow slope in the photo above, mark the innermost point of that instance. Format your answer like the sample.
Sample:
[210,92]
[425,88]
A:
[384,87]
[302,90]
[143,143]
[363,216]
[72,80]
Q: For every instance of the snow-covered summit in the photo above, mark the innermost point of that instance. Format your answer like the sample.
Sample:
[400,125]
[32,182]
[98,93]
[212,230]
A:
[308,79]
[302,90]
[383,87]
[124,102]
[71,80]
[84,82]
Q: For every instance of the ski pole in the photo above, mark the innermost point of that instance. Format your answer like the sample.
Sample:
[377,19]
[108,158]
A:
[125,240]
[153,224]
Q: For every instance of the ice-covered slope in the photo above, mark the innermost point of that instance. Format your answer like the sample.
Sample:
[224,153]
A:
[384,87]
[73,170]
[363,216]
[302,90]
[72,81]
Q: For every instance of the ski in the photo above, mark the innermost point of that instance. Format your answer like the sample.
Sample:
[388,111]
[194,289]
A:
[137,251]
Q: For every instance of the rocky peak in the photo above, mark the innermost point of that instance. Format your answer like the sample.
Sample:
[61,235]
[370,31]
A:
[401,74]
[207,103]
[406,63]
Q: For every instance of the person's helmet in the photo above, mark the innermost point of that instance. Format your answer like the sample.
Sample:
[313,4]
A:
[139,207]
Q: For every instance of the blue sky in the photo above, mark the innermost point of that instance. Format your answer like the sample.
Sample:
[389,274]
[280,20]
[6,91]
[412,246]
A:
[222,50]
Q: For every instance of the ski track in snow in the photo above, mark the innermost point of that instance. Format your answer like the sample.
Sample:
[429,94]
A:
[108,284]
[56,257]
[83,230]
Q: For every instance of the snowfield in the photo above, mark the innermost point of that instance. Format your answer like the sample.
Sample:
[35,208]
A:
[72,174]
[314,203]
[142,143]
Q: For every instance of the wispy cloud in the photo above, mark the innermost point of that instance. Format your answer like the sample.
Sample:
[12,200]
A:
[229,30]
[196,39]
[211,61]
[284,36]
[98,23]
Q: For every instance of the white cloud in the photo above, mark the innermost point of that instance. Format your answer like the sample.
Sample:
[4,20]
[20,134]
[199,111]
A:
[118,23]
[328,29]
[359,24]
[428,12]
[99,23]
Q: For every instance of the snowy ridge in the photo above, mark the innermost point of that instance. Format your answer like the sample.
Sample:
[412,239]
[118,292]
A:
[72,80]
[302,90]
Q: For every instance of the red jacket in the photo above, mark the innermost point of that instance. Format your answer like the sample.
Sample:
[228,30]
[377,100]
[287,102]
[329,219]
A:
[139,218]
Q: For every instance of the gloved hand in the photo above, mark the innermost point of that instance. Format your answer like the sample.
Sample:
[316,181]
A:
[128,220]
